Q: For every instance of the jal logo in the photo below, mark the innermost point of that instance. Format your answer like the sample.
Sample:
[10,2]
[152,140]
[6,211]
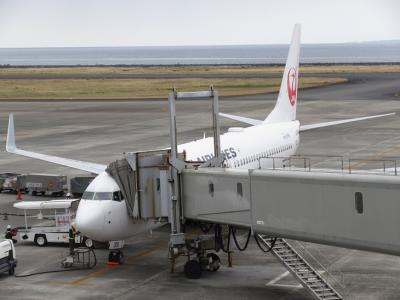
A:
[292,86]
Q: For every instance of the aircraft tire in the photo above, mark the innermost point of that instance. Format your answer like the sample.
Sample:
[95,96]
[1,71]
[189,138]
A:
[215,263]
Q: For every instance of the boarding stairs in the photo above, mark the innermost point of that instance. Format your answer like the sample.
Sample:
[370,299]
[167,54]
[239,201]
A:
[300,269]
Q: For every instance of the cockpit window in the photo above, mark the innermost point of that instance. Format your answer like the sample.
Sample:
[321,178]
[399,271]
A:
[88,195]
[117,196]
[103,196]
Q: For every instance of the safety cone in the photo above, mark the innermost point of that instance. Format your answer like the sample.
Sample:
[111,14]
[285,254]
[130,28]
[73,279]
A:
[19,196]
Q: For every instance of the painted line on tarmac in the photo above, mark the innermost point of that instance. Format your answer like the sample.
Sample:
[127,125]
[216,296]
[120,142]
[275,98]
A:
[274,281]
[279,277]
[375,156]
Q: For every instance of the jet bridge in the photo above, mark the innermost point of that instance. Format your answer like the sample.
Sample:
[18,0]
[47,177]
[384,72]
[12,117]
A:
[347,208]
[359,211]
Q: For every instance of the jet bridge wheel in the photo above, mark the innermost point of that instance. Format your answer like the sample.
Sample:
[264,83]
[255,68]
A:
[193,269]
[214,262]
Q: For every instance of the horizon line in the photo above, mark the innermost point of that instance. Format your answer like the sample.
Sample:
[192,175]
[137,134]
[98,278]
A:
[202,45]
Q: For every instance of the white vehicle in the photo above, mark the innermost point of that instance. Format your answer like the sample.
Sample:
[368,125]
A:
[103,216]
[56,229]
[8,257]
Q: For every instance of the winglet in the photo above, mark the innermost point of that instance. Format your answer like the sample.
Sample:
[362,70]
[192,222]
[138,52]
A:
[10,146]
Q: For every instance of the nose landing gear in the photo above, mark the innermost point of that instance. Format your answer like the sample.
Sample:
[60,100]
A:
[115,257]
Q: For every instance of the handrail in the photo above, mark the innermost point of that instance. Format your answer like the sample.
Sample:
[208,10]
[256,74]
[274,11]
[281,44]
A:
[348,165]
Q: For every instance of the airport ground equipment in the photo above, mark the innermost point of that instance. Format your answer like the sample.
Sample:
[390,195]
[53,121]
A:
[8,257]
[57,220]
[201,247]
[6,183]
[55,185]
[9,182]
[300,268]
[82,258]
[78,185]
[200,253]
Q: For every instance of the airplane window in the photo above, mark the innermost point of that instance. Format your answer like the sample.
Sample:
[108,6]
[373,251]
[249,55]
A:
[103,196]
[88,195]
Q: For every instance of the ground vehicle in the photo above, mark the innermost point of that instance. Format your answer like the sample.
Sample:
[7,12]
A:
[56,185]
[8,182]
[56,223]
[8,257]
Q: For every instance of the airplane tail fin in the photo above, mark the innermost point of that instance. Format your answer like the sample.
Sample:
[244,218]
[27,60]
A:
[285,107]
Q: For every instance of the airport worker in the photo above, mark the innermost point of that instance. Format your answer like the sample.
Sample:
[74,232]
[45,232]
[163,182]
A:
[8,234]
[72,234]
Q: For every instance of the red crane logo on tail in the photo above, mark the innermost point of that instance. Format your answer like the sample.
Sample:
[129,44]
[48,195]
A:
[292,86]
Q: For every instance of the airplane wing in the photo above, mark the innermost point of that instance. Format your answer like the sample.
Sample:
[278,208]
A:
[332,123]
[72,163]
[48,204]
[305,127]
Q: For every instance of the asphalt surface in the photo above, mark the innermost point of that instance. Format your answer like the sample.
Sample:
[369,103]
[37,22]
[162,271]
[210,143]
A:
[101,132]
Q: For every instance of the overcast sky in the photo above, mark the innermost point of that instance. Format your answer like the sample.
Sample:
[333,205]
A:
[58,23]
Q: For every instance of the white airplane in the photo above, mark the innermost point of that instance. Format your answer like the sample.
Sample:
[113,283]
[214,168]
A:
[102,214]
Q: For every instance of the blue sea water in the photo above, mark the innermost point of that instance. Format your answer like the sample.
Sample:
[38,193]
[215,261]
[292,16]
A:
[370,52]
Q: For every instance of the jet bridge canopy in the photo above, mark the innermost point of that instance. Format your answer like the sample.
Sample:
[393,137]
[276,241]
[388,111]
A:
[125,176]
[143,180]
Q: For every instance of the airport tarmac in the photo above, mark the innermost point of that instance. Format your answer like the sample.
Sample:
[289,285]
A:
[101,132]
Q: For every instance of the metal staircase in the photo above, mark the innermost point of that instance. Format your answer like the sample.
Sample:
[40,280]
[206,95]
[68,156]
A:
[300,269]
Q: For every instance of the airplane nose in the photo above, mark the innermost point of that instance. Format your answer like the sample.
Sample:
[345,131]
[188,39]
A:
[90,219]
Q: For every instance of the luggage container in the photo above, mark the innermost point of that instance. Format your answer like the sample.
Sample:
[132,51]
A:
[10,184]
[55,185]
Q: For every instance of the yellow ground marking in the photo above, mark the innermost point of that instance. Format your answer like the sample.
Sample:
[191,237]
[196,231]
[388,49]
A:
[376,156]
[62,282]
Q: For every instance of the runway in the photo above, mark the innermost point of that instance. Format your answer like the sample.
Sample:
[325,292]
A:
[102,131]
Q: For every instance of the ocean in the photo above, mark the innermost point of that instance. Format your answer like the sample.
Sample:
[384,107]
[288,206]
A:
[369,52]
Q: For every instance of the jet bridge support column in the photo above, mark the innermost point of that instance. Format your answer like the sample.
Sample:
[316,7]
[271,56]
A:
[177,164]
[178,242]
